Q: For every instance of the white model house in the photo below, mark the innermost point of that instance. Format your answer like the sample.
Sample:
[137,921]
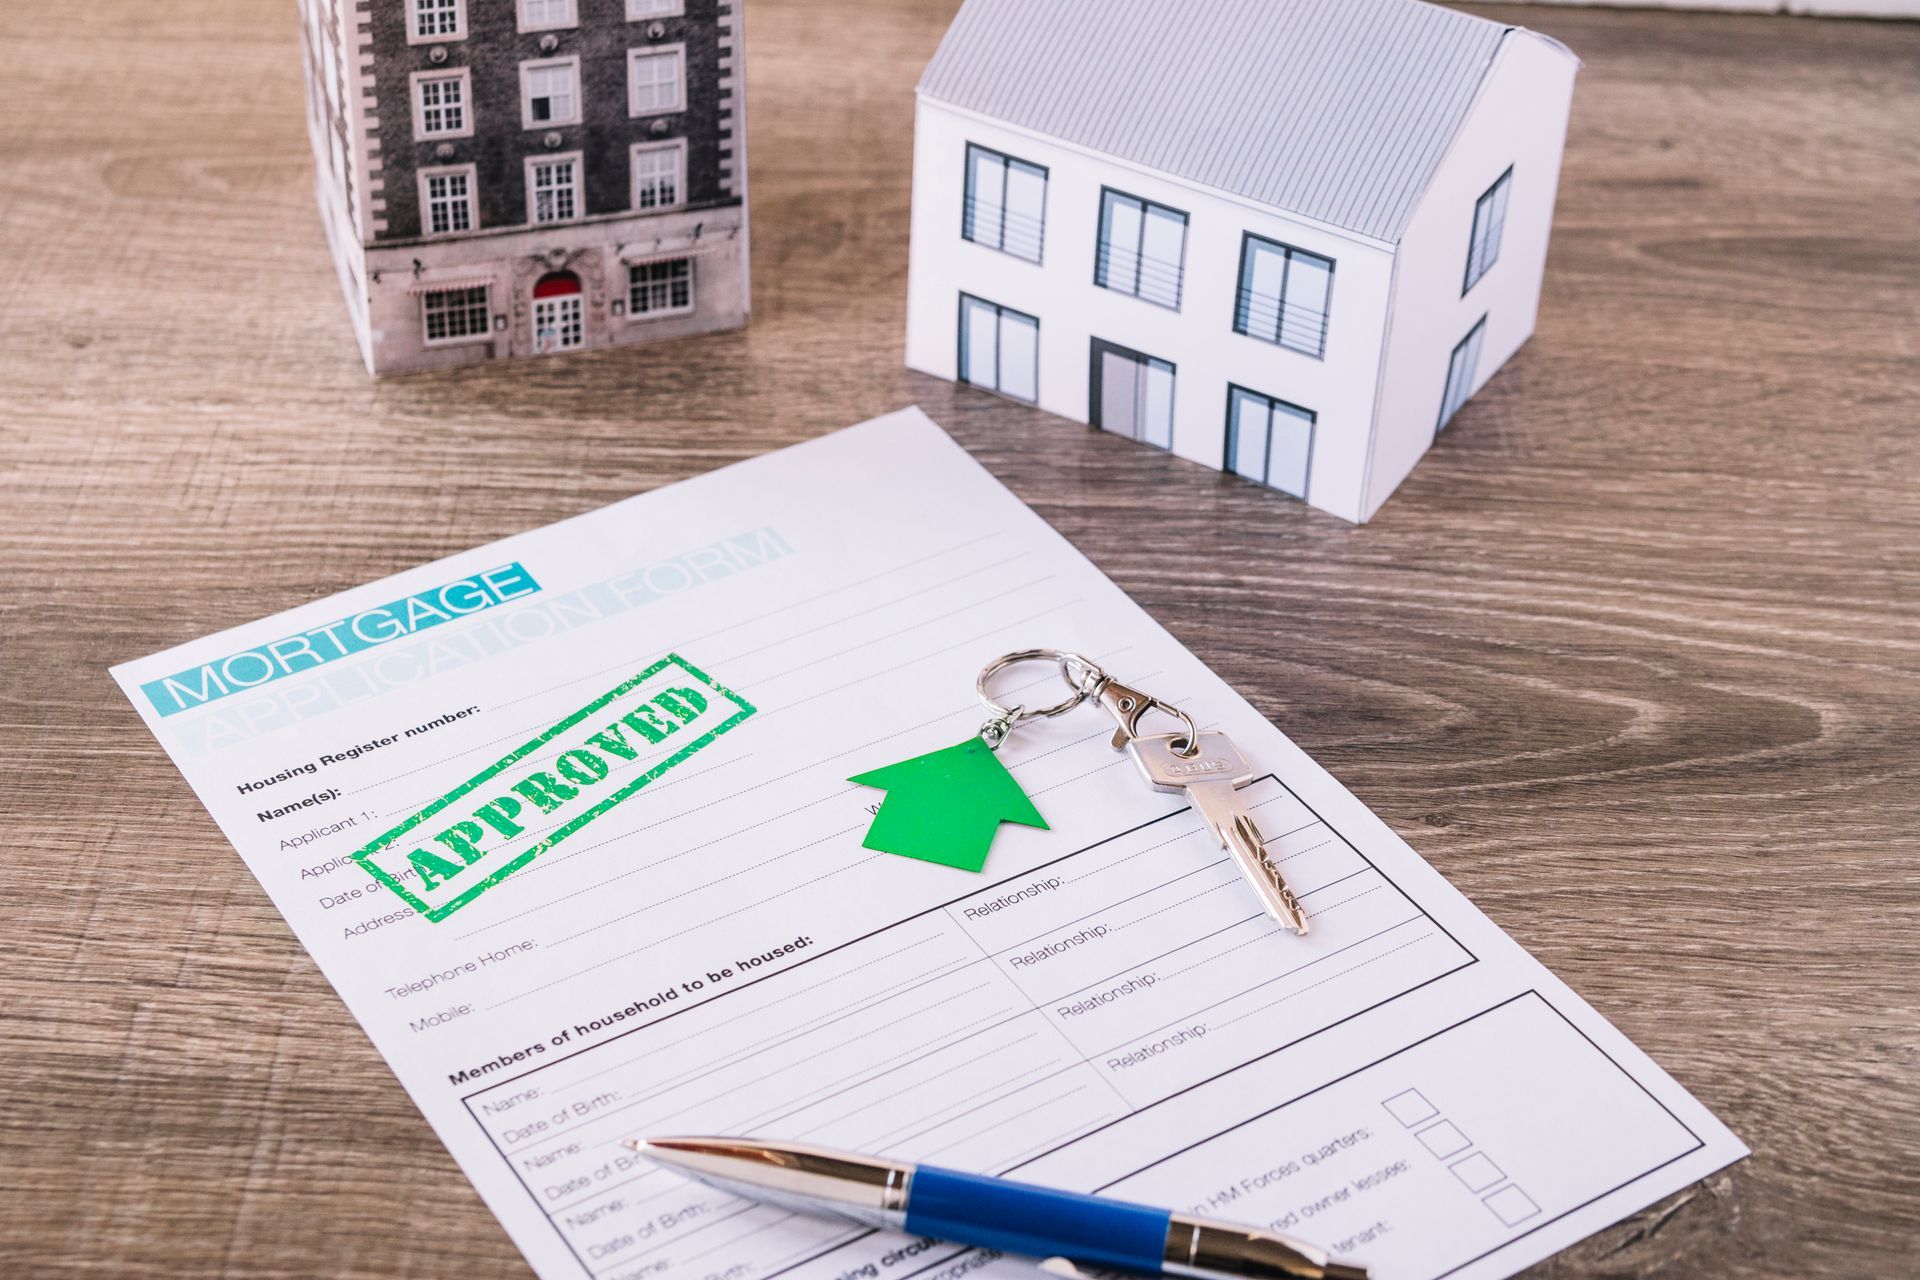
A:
[1285,238]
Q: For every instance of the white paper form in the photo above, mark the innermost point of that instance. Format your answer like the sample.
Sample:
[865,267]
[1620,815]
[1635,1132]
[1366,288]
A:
[711,949]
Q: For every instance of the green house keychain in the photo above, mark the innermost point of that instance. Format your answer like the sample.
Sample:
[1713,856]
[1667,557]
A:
[947,805]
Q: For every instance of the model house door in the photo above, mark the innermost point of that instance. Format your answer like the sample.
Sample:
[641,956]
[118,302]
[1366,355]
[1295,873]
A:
[999,348]
[559,313]
[1132,394]
[1269,440]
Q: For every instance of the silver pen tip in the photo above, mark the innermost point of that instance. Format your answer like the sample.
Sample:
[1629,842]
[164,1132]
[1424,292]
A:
[676,1150]
[673,1144]
[776,1170]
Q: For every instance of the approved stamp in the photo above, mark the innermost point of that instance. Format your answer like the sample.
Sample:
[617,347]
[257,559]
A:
[537,795]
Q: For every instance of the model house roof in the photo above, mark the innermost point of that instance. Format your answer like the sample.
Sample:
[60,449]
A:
[1339,110]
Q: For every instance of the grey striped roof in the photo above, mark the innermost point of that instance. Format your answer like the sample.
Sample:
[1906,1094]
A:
[1336,109]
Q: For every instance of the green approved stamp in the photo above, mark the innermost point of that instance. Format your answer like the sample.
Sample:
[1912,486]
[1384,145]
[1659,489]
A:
[524,804]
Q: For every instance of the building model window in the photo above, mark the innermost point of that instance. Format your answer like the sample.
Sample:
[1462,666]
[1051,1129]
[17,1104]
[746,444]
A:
[999,349]
[446,195]
[430,20]
[553,188]
[1489,218]
[440,107]
[1269,440]
[1132,394]
[1142,245]
[454,315]
[657,175]
[550,93]
[656,289]
[546,15]
[1006,203]
[1283,295]
[656,82]
[1460,370]
[637,10]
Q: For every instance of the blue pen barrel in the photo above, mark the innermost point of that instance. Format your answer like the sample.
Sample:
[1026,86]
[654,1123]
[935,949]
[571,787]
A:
[1016,1217]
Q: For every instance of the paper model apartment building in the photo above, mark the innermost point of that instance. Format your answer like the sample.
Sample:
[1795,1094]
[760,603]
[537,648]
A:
[1285,238]
[516,177]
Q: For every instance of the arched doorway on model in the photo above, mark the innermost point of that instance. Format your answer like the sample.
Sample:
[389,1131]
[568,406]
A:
[559,313]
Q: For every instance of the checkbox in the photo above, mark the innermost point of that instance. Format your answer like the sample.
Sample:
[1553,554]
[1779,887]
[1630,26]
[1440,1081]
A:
[1512,1205]
[1444,1139]
[1477,1172]
[1410,1108]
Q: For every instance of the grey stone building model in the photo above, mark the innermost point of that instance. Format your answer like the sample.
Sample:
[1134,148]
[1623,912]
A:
[517,177]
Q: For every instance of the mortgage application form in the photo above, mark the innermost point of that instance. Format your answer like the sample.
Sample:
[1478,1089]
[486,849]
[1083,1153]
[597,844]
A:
[566,822]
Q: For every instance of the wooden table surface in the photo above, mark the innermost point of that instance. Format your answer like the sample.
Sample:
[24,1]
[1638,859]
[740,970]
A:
[1633,657]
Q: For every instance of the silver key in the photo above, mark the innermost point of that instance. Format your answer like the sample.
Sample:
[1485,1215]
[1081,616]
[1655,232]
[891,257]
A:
[1212,778]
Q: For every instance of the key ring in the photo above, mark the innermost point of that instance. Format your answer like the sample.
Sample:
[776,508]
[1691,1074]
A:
[945,806]
[1129,707]
[1082,675]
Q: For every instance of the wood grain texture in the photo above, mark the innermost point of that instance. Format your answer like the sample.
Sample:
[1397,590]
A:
[1632,658]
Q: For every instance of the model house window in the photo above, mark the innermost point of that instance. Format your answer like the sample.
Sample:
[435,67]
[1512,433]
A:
[1283,295]
[1006,203]
[1132,394]
[1460,371]
[447,197]
[656,289]
[639,9]
[440,106]
[454,315]
[553,188]
[1489,217]
[657,175]
[437,20]
[655,83]
[999,349]
[545,15]
[550,93]
[1142,245]
[1269,440]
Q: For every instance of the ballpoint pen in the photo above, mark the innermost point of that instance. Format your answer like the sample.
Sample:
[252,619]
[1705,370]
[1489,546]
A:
[991,1213]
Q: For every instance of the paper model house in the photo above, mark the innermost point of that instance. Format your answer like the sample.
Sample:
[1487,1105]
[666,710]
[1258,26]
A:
[1285,238]
[517,177]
